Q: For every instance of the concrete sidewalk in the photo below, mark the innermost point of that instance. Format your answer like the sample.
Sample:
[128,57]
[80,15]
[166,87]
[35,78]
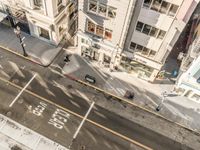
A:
[39,51]
[15,136]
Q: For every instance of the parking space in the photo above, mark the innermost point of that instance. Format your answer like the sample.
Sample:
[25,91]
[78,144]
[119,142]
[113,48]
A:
[41,116]
[93,138]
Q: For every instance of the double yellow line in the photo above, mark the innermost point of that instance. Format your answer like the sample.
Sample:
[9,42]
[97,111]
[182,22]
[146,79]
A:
[79,116]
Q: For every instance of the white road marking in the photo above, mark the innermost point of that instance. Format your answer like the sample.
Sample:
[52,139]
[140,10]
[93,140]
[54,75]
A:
[59,118]
[39,109]
[22,91]
[81,124]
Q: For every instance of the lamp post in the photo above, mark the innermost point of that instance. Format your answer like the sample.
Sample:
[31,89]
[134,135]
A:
[164,95]
[17,31]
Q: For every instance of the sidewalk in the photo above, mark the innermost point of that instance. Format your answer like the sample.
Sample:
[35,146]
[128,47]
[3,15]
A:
[39,51]
[14,136]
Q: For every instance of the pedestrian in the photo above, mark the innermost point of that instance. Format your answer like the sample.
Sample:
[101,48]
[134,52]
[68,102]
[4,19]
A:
[66,58]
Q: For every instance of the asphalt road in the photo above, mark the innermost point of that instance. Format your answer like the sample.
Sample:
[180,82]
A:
[38,114]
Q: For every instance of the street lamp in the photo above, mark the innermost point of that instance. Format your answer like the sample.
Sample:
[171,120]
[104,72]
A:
[164,95]
[17,31]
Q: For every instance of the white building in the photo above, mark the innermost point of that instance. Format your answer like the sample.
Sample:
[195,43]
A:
[102,28]
[155,27]
[188,83]
[49,20]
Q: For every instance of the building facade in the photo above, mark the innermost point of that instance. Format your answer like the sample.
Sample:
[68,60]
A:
[155,27]
[49,20]
[188,83]
[102,28]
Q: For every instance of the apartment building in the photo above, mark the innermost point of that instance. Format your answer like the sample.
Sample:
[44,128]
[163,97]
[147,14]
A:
[49,20]
[154,29]
[188,83]
[102,28]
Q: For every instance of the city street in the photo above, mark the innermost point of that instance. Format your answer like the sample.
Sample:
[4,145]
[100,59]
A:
[79,67]
[55,105]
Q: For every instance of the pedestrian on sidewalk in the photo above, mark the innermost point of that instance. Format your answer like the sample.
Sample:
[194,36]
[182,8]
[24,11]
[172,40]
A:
[66,58]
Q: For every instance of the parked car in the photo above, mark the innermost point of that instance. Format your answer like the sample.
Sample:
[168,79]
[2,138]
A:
[90,78]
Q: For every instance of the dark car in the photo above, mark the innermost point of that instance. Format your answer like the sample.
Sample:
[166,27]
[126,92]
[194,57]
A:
[90,78]
[129,95]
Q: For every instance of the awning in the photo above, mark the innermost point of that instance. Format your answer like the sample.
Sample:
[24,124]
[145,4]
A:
[2,16]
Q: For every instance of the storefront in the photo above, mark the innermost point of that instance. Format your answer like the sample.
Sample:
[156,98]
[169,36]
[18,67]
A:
[90,52]
[137,69]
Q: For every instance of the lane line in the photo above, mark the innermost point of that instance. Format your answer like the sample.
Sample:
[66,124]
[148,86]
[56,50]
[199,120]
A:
[79,116]
[20,93]
[81,124]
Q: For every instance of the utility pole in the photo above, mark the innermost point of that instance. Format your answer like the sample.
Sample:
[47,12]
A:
[17,31]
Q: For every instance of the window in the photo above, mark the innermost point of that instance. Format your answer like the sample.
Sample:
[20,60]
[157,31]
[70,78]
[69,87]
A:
[153,32]
[173,9]
[99,31]
[161,34]
[111,12]
[139,48]
[44,33]
[102,9]
[132,46]
[156,5]
[147,3]
[139,26]
[152,53]
[82,40]
[38,3]
[91,27]
[108,34]
[93,6]
[145,51]
[146,29]
[164,7]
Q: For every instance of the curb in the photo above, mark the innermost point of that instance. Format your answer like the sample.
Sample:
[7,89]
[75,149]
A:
[128,102]
[29,58]
[22,56]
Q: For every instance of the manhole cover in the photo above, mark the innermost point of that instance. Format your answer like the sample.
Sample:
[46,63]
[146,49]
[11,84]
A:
[8,113]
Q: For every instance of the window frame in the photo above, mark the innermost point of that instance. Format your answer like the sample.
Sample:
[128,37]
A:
[93,2]
[146,5]
[141,27]
[160,33]
[154,8]
[103,6]
[172,15]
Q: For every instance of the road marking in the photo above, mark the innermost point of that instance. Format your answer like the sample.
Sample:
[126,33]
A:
[81,124]
[79,116]
[59,118]
[96,124]
[11,104]
[39,109]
